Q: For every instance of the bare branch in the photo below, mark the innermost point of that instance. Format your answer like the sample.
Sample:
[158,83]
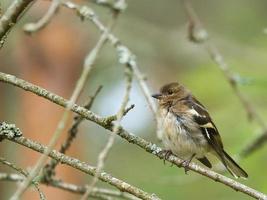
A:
[44,21]
[10,17]
[25,173]
[131,138]
[114,117]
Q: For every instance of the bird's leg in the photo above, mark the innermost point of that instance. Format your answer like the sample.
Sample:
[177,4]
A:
[185,163]
[166,154]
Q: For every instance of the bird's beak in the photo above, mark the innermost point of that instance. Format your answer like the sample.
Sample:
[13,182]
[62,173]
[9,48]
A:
[157,96]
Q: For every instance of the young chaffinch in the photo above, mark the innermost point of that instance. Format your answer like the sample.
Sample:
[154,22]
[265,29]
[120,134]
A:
[189,130]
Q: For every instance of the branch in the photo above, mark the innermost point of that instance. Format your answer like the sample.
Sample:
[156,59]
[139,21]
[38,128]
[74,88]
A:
[7,133]
[131,138]
[10,17]
[114,117]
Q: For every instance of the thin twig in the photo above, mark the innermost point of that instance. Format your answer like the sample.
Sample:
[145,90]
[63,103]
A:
[11,16]
[131,138]
[25,174]
[88,63]
[112,118]
[44,21]
[49,169]
[104,153]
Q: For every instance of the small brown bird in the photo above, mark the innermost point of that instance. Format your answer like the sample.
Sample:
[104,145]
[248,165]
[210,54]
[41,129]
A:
[189,130]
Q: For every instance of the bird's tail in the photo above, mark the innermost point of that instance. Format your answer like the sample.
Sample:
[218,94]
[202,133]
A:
[232,166]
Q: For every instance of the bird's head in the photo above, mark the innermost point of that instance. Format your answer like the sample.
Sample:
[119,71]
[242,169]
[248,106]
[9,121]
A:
[171,92]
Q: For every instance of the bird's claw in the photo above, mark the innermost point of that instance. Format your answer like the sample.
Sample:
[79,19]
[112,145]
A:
[166,154]
[186,163]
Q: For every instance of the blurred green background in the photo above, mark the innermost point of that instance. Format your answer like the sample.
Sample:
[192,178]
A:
[156,31]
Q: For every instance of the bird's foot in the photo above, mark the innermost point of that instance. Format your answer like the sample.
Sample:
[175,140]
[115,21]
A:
[186,163]
[166,154]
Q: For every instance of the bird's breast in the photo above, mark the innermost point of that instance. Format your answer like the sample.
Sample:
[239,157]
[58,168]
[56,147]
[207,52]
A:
[181,135]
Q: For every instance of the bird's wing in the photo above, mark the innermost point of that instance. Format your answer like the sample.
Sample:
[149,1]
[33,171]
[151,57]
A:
[202,118]
[208,128]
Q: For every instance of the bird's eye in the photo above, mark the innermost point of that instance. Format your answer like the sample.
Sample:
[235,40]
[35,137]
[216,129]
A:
[170,92]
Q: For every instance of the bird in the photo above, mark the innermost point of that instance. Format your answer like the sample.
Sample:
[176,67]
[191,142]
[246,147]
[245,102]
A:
[188,129]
